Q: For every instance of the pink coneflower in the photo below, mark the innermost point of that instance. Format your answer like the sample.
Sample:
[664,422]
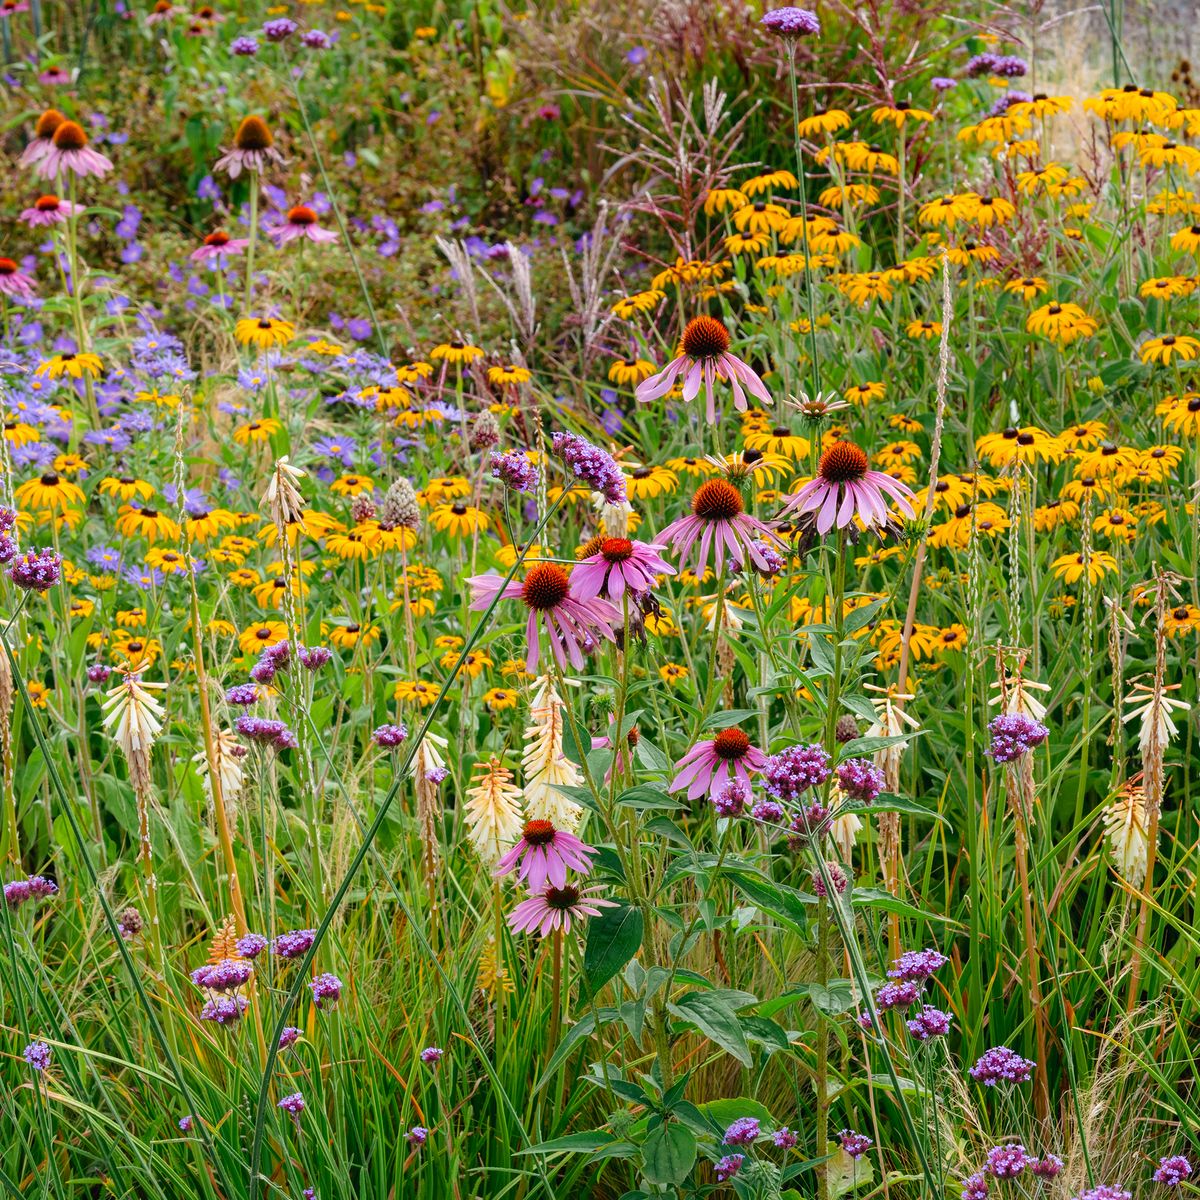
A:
[9,7]
[302,223]
[71,154]
[846,488]
[720,524]
[50,210]
[571,624]
[704,358]
[164,10]
[13,282]
[43,137]
[253,149]
[709,766]
[543,855]
[619,565]
[219,245]
[556,908]
[55,76]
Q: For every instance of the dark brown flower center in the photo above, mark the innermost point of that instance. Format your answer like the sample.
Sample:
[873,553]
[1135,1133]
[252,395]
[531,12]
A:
[253,134]
[545,587]
[705,337]
[218,237]
[730,744]
[539,833]
[69,136]
[7,266]
[563,899]
[717,500]
[48,122]
[49,479]
[301,214]
[843,462]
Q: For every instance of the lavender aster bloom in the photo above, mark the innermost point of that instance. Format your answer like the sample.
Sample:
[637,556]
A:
[1006,1162]
[767,812]
[37,1055]
[742,1132]
[1010,66]
[792,22]
[591,465]
[1172,1171]
[787,775]
[36,570]
[929,1023]
[515,471]
[1001,1065]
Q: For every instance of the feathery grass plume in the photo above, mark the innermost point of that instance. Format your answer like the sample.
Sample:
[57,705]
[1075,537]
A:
[459,258]
[591,310]
[516,292]
[493,811]
[1127,828]
[547,769]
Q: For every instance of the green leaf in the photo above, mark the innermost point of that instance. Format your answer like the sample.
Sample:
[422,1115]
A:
[724,720]
[868,745]
[713,1016]
[896,804]
[718,1115]
[668,1154]
[588,1140]
[644,798]
[613,938]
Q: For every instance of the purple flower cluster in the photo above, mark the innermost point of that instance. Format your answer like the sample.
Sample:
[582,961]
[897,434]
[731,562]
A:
[37,1055]
[860,779]
[266,732]
[784,1139]
[837,880]
[855,1144]
[791,772]
[728,1166]
[732,799]
[326,990]
[1009,66]
[975,1187]
[316,39]
[270,662]
[929,1023]
[35,887]
[224,1010]
[280,29]
[36,570]
[1006,1162]
[252,945]
[242,694]
[591,465]
[417,1136]
[293,1104]
[294,944]
[313,658]
[515,471]
[432,1055]
[289,1037]
[942,83]
[1049,1166]
[742,1132]
[244,47]
[1105,1191]
[1173,1171]
[98,673]
[897,995]
[1001,1065]
[1014,734]
[792,22]
[917,965]
[223,976]
[388,737]
[767,812]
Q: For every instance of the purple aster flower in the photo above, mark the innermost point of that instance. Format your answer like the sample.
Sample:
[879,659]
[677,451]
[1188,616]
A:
[975,1187]
[1006,1162]
[289,1036]
[38,1055]
[897,995]
[790,773]
[854,1144]
[432,1055]
[917,965]
[860,779]
[1014,734]
[729,1166]
[251,945]
[732,799]
[792,22]
[1001,1065]
[417,1136]
[515,471]
[224,1010]
[591,465]
[742,1132]
[784,1139]
[929,1023]
[36,570]
[326,990]
[1173,1171]
[389,737]
[293,944]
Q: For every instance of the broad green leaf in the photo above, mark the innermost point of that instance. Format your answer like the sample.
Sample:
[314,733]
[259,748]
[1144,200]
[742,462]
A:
[613,938]
[713,1016]
[668,1154]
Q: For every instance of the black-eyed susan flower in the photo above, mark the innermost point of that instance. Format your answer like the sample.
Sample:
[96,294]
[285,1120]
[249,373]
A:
[827,122]
[626,371]
[947,211]
[1158,463]
[350,634]
[74,365]
[778,442]
[898,114]
[50,493]
[903,423]
[1028,287]
[718,200]
[640,302]
[415,691]
[864,393]
[1164,349]
[1187,239]
[1054,513]
[413,372]
[1183,618]
[1105,461]
[457,353]
[1181,413]
[673,674]
[37,693]
[261,635]
[1096,564]
[458,519]
[473,664]
[499,699]
[351,485]
[508,374]
[1083,435]
[1061,323]
[255,433]
[649,482]
[166,560]
[1116,524]
[760,217]
[771,181]
[444,487]
[924,330]
[349,544]
[836,195]
[264,333]
[863,287]
[272,593]
[1027,445]
[1087,489]
[897,454]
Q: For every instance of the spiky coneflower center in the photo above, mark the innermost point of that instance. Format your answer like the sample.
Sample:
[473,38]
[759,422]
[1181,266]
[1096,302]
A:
[253,134]
[48,122]
[539,833]
[545,587]
[7,266]
[717,500]
[843,462]
[47,204]
[592,546]
[616,550]
[301,214]
[70,136]
[730,745]
[563,899]
[218,237]
[705,337]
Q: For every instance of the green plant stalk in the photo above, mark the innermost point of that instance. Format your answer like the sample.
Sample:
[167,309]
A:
[253,240]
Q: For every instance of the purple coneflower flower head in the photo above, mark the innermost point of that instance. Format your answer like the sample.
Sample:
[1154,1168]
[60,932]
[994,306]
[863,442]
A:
[897,995]
[1049,1166]
[266,732]
[43,138]
[38,1055]
[288,1036]
[620,565]
[975,1187]
[70,154]
[313,658]
[943,83]
[718,525]
[251,945]
[432,1055]
[742,1132]
[326,990]
[417,1136]
[244,46]
[253,149]
[732,799]
[14,283]
[1014,734]
[728,1166]
[709,765]
[302,223]
[1001,1065]
[837,880]
[543,856]
[1007,1161]
[388,737]
[929,1023]
[792,22]
[591,465]
[515,471]
[860,779]
[220,246]
[224,976]
[790,773]
[703,359]
[280,29]
[845,487]
[224,1010]
[1173,1171]
[36,570]
[854,1144]
[917,965]
[293,944]
[784,1139]
[556,908]
[185,1123]
[570,624]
